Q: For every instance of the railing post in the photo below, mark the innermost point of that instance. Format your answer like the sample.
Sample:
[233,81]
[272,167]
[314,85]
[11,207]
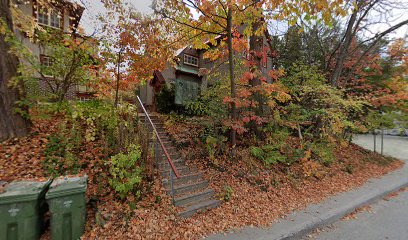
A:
[171,184]
[375,141]
[156,152]
[382,140]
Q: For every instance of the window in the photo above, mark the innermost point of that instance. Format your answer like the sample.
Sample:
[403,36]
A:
[43,16]
[46,61]
[55,20]
[49,17]
[190,60]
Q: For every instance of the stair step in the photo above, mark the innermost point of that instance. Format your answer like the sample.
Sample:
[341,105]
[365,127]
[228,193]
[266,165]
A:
[177,163]
[189,187]
[169,148]
[167,145]
[154,120]
[162,158]
[191,210]
[166,141]
[173,155]
[196,197]
[157,123]
[182,170]
[150,130]
[183,179]
[163,135]
[142,115]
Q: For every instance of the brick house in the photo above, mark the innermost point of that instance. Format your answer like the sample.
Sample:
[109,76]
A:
[61,15]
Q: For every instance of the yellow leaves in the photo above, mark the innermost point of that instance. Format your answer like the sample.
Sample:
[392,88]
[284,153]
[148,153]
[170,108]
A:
[398,50]
[275,74]
[283,97]
[3,27]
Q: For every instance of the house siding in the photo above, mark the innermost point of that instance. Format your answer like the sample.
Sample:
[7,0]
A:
[171,74]
[27,8]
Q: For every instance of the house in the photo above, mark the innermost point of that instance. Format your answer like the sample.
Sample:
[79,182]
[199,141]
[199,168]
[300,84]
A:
[187,74]
[62,15]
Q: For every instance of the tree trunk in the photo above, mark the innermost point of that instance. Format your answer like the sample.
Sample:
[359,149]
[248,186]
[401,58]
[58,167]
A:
[232,77]
[338,69]
[255,48]
[11,123]
[117,80]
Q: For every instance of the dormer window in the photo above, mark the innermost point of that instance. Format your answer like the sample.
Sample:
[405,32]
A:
[190,60]
[49,18]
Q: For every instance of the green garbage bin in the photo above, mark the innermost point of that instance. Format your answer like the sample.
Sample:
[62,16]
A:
[22,209]
[66,201]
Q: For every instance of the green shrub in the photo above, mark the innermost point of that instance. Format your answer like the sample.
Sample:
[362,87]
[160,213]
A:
[228,191]
[98,119]
[59,156]
[269,154]
[210,102]
[318,110]
[165,100]
[323,151]
[349,169]
[197,108]
[126,175]
[211,144]
[257,152]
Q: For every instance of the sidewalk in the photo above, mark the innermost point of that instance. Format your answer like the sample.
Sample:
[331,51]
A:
[297,224]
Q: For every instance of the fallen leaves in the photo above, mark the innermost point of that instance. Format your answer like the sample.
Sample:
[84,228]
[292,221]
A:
[395,194]
[257,200]
[260,195]
[353,215]
[20,158]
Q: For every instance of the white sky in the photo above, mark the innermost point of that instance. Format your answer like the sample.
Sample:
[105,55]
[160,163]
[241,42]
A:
[95,7]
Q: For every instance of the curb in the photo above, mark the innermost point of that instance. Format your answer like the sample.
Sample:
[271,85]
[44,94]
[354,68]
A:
[323,215]
[300,223]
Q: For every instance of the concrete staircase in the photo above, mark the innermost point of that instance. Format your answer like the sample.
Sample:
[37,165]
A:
[191,190]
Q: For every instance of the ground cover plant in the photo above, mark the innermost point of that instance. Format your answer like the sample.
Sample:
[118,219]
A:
[80,138]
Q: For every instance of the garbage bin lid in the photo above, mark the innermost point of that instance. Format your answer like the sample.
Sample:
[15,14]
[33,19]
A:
[64,186]
[23,191]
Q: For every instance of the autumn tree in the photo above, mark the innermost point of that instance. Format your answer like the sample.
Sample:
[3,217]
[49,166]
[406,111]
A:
[12,124]
[137,44]
[216,18]
[233,21]
[364,14]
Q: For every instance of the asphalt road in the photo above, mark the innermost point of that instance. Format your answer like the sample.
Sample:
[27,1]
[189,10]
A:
[386,219]
[393,146]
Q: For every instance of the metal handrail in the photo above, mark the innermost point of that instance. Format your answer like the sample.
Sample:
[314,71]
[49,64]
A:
[173,168]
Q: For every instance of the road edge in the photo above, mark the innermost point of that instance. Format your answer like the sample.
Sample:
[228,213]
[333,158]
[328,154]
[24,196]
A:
[325,218]
[298,224]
